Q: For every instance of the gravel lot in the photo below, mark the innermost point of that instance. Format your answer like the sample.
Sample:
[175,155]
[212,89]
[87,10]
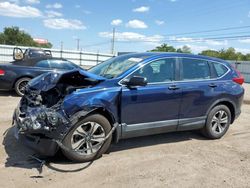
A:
[183,159]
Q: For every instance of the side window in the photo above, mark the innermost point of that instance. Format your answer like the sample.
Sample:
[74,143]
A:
[43,64]
[158,71]
[220,69]
[195,69]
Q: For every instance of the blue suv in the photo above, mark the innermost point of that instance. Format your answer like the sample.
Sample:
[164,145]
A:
[127,96]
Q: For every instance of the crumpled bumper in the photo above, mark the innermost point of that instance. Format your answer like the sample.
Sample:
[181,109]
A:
[42,146]
[40,143]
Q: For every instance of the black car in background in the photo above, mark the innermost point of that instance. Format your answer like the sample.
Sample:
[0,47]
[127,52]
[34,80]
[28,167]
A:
[15,75]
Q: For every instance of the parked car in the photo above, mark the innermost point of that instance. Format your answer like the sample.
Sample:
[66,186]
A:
[17,74]
[128,96]
[30,53]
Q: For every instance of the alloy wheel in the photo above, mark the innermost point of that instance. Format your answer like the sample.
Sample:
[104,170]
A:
[21,87]
[219,122]
[88,138]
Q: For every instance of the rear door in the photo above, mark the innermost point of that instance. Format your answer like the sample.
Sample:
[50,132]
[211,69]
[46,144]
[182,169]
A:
[153,108]
[198,91]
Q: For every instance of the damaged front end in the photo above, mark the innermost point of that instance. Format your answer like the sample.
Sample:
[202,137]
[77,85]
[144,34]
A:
[40,118]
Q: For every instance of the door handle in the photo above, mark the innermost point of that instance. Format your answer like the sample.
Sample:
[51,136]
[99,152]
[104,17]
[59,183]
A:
[173,87]
[212,85]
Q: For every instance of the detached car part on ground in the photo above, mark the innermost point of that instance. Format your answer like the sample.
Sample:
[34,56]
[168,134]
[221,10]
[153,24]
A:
[127,96]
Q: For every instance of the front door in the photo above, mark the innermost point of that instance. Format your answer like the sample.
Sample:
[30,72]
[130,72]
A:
[153,108]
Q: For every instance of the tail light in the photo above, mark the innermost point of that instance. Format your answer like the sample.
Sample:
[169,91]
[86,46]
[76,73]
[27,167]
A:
[2,72]
[239,79]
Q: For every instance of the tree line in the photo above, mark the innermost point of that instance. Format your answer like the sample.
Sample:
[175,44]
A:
[227,54]
[14,36]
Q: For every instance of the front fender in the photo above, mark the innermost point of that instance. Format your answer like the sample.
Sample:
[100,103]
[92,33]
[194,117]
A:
[80,103]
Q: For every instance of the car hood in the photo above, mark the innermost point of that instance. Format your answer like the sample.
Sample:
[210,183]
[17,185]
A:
[49,80]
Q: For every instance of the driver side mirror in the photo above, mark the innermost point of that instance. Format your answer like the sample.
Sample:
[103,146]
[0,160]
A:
[136,81]
[18,54]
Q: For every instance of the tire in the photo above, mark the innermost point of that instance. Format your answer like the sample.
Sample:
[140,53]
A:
[81,134]
[20,85]
[218,122]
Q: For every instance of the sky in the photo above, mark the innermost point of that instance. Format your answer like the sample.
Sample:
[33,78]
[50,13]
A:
[140,25]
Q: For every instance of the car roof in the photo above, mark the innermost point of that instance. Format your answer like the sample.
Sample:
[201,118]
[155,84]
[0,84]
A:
[156,55]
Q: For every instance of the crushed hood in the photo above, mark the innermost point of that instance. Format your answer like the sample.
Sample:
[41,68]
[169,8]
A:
[47,81]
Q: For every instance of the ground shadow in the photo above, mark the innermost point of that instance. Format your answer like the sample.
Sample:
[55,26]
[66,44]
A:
[8,93]
[164,138]
[19,155]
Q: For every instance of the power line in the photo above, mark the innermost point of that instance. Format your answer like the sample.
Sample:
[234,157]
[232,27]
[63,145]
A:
[200,39]
[195,39]
[96,44]
[208,31]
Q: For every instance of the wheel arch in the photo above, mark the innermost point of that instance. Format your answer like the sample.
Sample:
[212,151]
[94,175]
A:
[228,103]
[111,118]
[104,112]
[24,76]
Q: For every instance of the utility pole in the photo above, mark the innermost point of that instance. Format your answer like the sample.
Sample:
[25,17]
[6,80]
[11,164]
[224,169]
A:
[61,48]
[78,44]
[113,42]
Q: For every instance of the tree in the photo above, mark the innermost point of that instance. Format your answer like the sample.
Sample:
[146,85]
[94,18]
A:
[164,48]
[14,36]
[227,54]
[184,49]
[211,53]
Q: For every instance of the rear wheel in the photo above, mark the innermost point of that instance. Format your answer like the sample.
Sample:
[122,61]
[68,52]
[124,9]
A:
[20,85]
[218,122]
[86,139]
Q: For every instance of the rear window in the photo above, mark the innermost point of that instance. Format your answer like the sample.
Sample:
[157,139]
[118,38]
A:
[220,69]
[61,64]
[195,69]
[43,64]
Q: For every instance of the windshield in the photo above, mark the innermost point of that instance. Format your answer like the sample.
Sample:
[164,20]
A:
[114,67]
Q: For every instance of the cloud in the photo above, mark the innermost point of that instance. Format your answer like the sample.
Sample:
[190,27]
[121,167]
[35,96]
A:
[243,50]
[55,6]
[77,6]
[14,10]
[159,22]
[32,1]
[63,24]
[216,43]
[12,1]
[116,22]
[248,14]
[245,41]
[53,14]
[172,1]
[86,12]
[141,9]
[136,24]
[133,37]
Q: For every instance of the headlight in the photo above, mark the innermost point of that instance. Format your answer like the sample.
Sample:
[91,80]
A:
[52,118]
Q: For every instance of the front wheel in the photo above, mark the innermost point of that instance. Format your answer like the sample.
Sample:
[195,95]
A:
[85,140]
[218,122]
